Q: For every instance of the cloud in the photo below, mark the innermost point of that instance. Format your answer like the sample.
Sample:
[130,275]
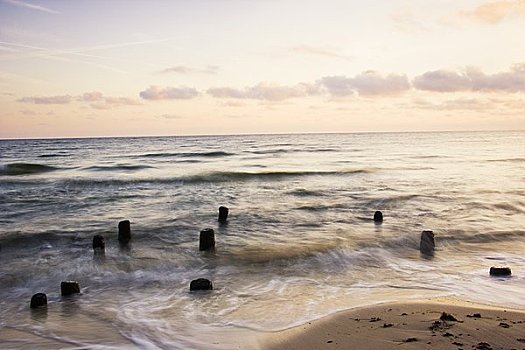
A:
[318,51]
[266,92]
[211,69]
[79,54]
[369,83]
[472,79]
[168,93]
[110,102]
[460,104]
[95,99]
[493,12]
[122,101]
[49,100]
[511,81]
[92,96]
[442,81]
[30,6]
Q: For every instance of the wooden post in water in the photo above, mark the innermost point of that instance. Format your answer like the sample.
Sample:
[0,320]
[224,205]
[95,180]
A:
[99,244]
[201,284]
[37,300]
[69,287]
[502,271]
[207,239]
[223,214]
[378,217]
[124,231]
[427,244]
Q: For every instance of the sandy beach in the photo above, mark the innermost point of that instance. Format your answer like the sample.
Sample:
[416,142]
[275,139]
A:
[424,324]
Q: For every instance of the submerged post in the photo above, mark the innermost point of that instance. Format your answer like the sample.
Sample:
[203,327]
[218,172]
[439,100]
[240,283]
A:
[207,239]
[223,214]
[378,217]
[124,231]
[69,287]
[99,244]
[37,300]
[201,284]
[427,244]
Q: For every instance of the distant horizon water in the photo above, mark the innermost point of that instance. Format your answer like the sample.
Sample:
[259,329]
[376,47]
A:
[255,134]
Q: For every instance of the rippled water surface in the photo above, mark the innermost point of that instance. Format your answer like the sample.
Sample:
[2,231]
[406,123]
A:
[299,242]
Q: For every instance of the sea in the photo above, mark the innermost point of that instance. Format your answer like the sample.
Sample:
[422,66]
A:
[300,241]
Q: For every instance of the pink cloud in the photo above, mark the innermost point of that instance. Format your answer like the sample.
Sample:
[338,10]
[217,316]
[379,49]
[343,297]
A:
[168,93]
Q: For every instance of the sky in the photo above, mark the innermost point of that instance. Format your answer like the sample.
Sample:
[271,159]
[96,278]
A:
[72,68]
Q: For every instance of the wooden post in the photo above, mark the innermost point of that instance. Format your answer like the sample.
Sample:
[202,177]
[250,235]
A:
[207,239]
[99,243]
[201,284]
[124,231]
[500,271]
[37,300]
[69,287]
[223,214]
[427,244]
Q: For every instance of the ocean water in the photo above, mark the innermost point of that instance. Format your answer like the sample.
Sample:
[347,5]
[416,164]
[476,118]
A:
[300,242]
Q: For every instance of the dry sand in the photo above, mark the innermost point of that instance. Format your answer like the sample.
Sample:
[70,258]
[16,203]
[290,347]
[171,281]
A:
[411,325]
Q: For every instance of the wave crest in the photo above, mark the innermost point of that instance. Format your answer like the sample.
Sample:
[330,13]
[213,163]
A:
[14,169]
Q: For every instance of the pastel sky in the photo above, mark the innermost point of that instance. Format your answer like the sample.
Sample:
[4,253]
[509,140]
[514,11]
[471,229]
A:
[73,68]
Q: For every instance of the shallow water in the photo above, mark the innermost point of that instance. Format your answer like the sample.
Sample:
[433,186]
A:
[299,242]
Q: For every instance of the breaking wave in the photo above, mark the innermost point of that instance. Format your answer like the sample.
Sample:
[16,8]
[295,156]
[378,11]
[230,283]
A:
[14,169]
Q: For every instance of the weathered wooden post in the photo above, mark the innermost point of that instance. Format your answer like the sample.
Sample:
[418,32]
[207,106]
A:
[223,214]
[207,239]
[99,244]
[124,231]
[500,271]
[201,284]
[37,300]
[427,244]
[69,287]
[378,217]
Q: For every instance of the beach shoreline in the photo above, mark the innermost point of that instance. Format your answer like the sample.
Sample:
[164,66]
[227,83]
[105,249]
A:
[438,323]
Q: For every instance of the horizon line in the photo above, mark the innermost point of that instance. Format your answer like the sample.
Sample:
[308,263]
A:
[257,134]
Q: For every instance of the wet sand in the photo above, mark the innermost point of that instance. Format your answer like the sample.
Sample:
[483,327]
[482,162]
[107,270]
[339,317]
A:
[425,324]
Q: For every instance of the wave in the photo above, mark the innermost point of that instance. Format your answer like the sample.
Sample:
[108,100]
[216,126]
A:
[391,200]
[286,150]
[486,237]
[430,156]
[53,155]
[510,160]
[510,207]
[303,192]
[321,207]
[271,151]
[14,169]
[268,175]
[220,176]
[118,167]
[210,154]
